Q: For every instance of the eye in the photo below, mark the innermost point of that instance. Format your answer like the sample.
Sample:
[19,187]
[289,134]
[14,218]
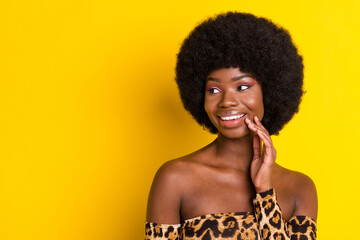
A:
[242,87]
[213,90]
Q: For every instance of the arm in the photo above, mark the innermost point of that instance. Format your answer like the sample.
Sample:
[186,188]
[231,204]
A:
[272,225]
[267,210]
[163,218]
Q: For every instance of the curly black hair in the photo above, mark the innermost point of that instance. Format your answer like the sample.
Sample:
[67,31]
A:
[258,47]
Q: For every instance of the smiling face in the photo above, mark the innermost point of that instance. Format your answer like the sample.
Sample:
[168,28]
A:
[230,97]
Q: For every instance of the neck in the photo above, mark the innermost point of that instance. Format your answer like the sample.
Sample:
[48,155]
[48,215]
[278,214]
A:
[234,153]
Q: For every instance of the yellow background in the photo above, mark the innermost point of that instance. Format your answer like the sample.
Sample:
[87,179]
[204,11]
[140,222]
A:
[90,110]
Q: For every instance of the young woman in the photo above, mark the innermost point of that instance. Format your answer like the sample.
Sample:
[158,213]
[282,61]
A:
[241,77]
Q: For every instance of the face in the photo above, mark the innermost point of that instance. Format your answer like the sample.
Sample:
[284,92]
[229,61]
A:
[230,97]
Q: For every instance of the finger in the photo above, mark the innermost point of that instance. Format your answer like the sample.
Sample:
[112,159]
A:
[263,135]
[268,152]
[256,119]
[250,125]
[260,126]
[258,123]
[268,145]
[254,127]
[269,155]
[257,147]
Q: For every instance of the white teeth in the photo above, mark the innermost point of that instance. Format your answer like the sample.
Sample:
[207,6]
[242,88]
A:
[232,117]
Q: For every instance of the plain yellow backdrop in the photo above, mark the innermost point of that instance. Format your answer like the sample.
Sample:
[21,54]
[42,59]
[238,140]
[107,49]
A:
[89,110]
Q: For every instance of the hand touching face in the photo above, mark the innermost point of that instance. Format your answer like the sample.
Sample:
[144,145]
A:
[230,97]
[264,156]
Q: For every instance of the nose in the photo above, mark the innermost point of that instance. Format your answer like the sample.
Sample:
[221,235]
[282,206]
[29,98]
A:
[229,99]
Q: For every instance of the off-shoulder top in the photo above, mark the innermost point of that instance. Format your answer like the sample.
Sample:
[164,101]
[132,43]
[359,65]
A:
[266,222]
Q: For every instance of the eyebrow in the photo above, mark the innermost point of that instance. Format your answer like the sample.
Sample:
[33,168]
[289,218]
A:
[233,79]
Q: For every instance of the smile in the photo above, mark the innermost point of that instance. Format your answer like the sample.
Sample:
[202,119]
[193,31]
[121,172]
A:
[233,117]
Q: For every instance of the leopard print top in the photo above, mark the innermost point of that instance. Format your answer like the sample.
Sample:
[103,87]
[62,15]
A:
[265,223]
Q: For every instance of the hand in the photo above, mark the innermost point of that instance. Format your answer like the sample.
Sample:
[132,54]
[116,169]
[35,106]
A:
[264,157]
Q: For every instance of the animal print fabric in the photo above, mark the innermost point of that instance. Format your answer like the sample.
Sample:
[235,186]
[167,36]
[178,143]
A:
[266,223]
[272,225]
[301,227]
[221,226]
[161,231]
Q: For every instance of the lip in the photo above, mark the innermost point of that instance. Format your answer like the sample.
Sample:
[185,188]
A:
[231,123]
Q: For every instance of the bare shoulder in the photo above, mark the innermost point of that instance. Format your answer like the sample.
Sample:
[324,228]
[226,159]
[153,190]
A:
[301,188]
[167,190]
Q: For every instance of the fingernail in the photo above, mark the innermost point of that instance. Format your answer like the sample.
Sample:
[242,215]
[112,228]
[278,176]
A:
[256,118]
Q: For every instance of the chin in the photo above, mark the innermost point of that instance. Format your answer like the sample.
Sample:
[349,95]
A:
[234,133]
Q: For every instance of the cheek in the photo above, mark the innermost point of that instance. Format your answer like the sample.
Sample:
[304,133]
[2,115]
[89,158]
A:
[206,105]
[255,102]
[210,105]
[260,107]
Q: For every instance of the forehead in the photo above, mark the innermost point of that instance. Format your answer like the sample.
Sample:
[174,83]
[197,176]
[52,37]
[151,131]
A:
[227,74]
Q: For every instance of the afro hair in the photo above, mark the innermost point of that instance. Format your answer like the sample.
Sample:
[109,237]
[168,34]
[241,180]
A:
[256,46]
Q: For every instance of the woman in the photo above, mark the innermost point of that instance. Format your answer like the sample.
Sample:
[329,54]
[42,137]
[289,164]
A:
[241,77]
